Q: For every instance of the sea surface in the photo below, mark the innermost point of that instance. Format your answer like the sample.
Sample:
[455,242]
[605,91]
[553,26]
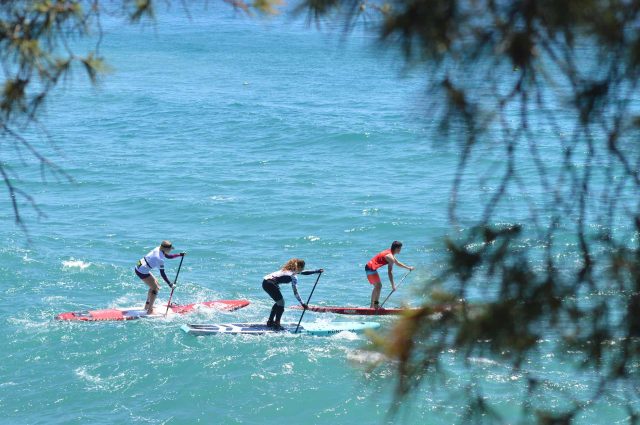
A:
[246,142]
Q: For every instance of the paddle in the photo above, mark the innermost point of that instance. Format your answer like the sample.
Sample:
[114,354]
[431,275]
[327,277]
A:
[394,290]
[174,286]
[308,300]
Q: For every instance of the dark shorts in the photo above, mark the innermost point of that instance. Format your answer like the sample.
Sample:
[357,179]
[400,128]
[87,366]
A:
[142,276]
[272,289]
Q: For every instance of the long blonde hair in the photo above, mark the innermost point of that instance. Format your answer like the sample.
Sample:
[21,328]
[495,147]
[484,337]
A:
[294,265]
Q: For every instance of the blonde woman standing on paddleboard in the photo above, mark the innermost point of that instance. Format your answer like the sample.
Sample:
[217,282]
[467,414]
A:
[155,259]
[271,284]
[381,259]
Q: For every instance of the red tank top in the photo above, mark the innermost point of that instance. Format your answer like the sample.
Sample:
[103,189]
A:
[378,261]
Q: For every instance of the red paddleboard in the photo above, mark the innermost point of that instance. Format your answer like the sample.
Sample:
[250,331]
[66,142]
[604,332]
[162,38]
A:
[361,311]
[159,310]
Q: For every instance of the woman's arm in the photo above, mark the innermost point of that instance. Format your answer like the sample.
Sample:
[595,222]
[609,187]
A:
[308,272]
[166,279]
[294,286]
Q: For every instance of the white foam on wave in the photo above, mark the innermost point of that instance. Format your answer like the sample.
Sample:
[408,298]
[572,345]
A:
[346,335]
[69,264]
[366,357]
[287,368]
[370,211]
[483,361]
[358,229]
[312,238]
[220,198]
[27,259]
[109,383]
[82,373]
[30,323]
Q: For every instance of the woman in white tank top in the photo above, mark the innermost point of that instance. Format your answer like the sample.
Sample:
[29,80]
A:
[154,259]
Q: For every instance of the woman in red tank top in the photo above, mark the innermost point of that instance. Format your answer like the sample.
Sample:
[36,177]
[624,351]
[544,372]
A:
[384,258]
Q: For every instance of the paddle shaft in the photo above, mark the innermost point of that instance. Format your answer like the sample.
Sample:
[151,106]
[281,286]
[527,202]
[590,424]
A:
[394,290]
[308,300]
[174,286]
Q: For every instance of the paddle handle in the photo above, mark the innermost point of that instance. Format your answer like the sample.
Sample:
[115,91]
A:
[394,290]
[174,286]
[308,300]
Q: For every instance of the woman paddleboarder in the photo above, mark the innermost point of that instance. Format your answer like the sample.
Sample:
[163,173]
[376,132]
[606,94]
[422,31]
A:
[271,284]
[155,259]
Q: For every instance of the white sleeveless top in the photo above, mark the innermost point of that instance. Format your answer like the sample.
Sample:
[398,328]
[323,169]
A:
[154,259]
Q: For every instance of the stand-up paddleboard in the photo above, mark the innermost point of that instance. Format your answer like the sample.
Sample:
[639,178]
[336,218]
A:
[139,312]
[323,329]
[361,311]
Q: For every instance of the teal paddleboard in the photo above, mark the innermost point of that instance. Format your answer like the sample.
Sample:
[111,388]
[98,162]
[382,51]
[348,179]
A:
[322,329]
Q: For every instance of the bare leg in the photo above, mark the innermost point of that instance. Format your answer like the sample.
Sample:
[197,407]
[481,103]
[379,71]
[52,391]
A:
[152,283]
[375,295]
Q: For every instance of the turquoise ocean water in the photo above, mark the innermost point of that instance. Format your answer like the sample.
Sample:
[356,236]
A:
[245,143]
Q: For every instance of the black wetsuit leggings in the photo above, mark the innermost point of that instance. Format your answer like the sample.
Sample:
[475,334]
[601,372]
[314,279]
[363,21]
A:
[271,288]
